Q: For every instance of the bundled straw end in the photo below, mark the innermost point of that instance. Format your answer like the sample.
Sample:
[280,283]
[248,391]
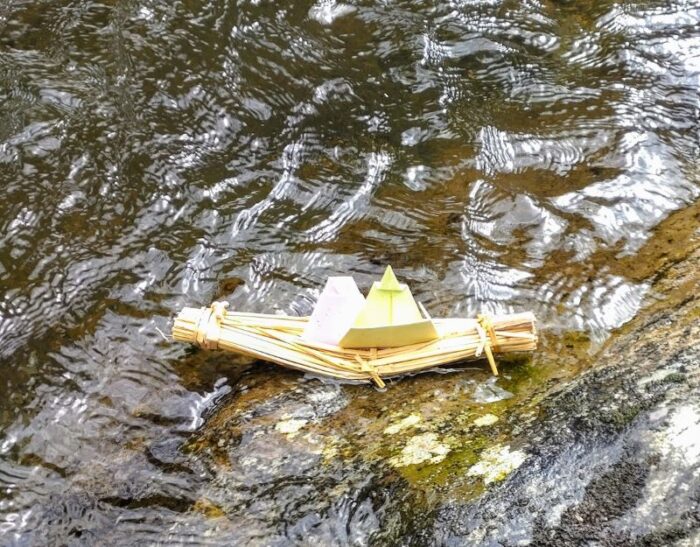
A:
[200,326]
[187,323]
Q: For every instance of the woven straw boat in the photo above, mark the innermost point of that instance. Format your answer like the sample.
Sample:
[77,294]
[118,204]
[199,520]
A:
[278,339]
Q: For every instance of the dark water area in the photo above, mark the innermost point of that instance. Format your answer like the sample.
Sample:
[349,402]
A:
[501,155]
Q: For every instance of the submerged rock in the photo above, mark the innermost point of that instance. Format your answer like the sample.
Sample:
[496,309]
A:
[542,455]
[490,392]
[614,456]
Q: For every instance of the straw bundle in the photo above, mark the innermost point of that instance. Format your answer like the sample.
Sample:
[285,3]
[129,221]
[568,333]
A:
[277,338]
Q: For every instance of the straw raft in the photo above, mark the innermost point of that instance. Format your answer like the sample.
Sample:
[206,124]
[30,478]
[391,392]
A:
[278,339]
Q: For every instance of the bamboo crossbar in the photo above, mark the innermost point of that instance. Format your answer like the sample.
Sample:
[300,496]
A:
[278,339]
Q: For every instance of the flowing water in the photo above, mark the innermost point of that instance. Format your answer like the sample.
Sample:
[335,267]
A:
[501,155]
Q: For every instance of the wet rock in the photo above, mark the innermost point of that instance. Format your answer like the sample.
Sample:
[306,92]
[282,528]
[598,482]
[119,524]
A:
[542,455]
[277,471]
[490,392]
[614,456]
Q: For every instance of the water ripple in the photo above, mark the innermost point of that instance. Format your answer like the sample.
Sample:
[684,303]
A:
[502,156]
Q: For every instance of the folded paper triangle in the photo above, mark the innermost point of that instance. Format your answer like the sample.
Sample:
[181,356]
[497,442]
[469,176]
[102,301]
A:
[335,311]
[389,318]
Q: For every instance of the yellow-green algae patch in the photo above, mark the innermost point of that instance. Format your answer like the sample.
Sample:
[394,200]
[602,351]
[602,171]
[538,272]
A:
[408,421]
[423,448]
[208,508]
[496,463]
[486,420]
[290,426]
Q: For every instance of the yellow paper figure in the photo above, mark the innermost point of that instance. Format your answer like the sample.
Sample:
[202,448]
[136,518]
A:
[390,318]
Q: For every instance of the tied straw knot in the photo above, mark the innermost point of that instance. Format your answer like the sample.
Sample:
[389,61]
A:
[484,326]
[370,369]
[209,326]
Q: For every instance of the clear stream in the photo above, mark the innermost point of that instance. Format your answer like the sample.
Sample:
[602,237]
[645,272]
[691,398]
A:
[501,155]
